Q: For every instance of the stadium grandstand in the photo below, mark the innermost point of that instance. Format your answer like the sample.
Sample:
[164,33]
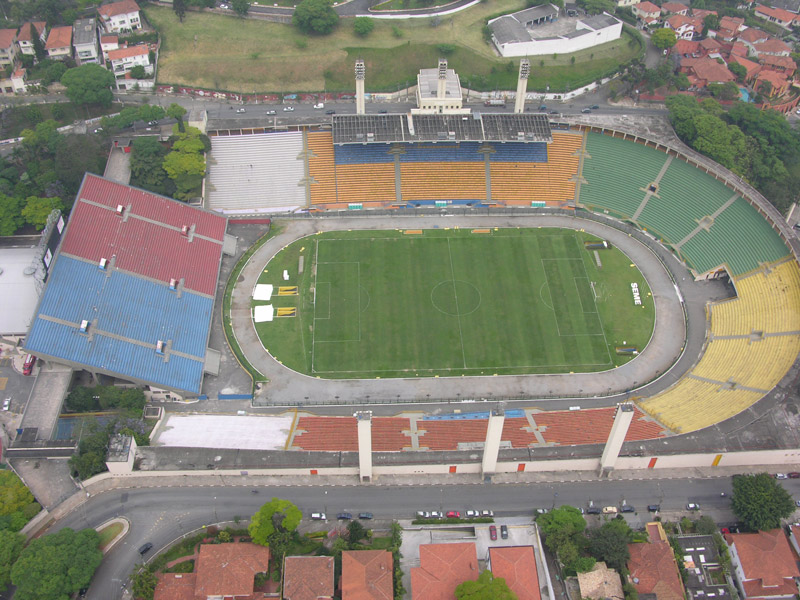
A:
[130,293]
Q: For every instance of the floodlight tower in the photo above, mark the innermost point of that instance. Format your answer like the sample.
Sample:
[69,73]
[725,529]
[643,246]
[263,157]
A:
[522,85]
[441,92]
[360,73]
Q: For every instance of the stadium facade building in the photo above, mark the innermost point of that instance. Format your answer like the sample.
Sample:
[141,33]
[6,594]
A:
[130,293]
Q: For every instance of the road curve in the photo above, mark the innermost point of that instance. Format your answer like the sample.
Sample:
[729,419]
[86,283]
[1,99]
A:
[289,387]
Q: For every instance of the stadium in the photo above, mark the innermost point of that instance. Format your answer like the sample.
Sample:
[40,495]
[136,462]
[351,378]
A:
[524,171]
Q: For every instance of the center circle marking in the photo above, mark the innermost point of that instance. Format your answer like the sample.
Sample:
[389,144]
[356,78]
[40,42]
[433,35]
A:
[455,298]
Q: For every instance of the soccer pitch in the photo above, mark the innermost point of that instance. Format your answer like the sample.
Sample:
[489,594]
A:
[451,302]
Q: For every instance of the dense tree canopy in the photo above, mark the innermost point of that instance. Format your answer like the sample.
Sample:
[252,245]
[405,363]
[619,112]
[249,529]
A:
[596,7]
[760,502]
[663,38]
[89,84]
[17,505]
[315,16]
[487,587]
[176,111]
[11,544]
[147,172]
[563,530]
[37,210]
[363,26]
[55,566]
[609,543]
[240,7]
[275,516]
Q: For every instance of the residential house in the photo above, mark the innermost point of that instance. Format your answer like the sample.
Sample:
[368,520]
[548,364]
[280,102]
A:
[646,10]
[24,39]
[753,68]
[120,16]
[686,48]
[702,71]
[442,567]
[730,27]
[600,583]
[711,47]
[674,8]
[221,571]
[781,17]
[124,59]
[772,47]
[779,64]
[367,575]
[702,13]
[15,84]
[652,566]
[763,563]
[517,565]
[8,46]
[684,27]
[627,2]
[740,49]
[752,35]
[794,537]
[59,43]
[84,38]
[108,43]
[307,578]
[771,83]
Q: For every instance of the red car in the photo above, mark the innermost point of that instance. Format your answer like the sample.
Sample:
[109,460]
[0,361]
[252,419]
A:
[27,368]
[453,514]
[493,532]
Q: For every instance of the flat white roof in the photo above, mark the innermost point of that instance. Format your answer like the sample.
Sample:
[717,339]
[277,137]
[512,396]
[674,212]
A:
[224,431]
[18,295]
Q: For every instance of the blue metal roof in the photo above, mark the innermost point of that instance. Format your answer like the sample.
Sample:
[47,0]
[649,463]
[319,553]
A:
[128,316]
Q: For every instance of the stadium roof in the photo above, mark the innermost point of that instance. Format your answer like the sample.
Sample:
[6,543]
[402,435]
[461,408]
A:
[476,127]
[130,303]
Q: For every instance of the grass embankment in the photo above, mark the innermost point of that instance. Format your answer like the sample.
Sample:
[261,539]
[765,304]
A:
[108,533]
[384,304]
[274,57]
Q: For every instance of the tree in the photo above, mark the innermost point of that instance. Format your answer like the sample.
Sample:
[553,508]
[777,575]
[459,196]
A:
[739,70]
[609,543]
[56,565]
[147,158]
[143,583]
[177,164]
[176,111]
[315,16]
[663,38]
[89,84]
[705,525]
[240,7]
[363,26]
[724,91]
[38,46]
[765,88]
[37,210]
[179,6]
[487,587]
[138,72]
[595,7]
[76,155]
[710,22]
[563,529]
[11,544]
[11,217]
[760,502]
[355,532]
[276,515]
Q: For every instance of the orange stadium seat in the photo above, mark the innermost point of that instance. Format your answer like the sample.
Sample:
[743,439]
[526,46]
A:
[321,168]
[443,181]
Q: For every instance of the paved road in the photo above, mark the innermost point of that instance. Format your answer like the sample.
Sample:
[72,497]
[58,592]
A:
[286,386]
[160,515]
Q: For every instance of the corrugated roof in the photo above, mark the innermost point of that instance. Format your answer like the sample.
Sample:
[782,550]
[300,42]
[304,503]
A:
[60,37]
[151,206]
[143,247]
[128,315]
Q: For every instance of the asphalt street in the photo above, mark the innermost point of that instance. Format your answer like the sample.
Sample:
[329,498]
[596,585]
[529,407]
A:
[161,515]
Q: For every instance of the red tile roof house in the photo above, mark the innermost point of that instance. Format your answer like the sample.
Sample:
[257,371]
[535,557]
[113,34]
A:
[764,565]
[120,16]
[517,565]
[702,71]
[778,84]
[684,27]
[753,68]
[59,43]
[307,578]
[675,8]
[221,570]
[781,64]
[781,17]
[367,575]
[442,567]
[645,10]
[751,35]
[686,48]
[8,46]
[652,566]
[773,47]
[25,41]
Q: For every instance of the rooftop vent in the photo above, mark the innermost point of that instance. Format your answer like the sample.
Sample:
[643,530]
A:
[160,347]
[120,209]
[84,326]
[185,230]
[103,263]
[173,284]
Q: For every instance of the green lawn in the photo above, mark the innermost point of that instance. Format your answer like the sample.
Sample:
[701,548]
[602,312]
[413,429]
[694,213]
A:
[275,57]
[453,302]
[108,533]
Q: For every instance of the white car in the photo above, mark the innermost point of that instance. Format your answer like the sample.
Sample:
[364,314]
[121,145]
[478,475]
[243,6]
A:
[487,513]
[271,112]
[692,506]
[319,516]
[320,105]
[781,476]
[288,108]
[6,403]
[435,514]
[471,514]
[240,110]
[423,514]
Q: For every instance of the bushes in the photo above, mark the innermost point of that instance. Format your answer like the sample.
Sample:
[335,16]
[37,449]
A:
[105,397]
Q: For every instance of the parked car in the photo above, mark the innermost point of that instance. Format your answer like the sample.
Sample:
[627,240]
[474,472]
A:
[586,110]
[453,514]
[593,510]
[271,112]
[152,123]
[471,514]
[382,112]
[627,508]
[288,108]
[492,532]
[781,476]
[609,510]
[553,112]
[797,503]
[435,514]
[692,506]
[6,403]
[319,517]
[423,514]
[543,108]
[794,475]
[145,548]
[330,112]
[27,367]
[653,507]
[487,513]
[365,515]
[344,516]
[320,105]
[594,107]
[504,531]
[541,511]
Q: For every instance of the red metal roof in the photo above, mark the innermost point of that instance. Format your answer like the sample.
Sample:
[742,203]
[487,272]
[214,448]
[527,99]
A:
[142,243]
[151,206]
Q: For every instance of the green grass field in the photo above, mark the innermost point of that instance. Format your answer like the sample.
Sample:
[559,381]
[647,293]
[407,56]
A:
[453,302]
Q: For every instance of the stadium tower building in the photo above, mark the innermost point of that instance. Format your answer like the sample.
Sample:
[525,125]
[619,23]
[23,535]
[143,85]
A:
[522,85]
[360,73]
